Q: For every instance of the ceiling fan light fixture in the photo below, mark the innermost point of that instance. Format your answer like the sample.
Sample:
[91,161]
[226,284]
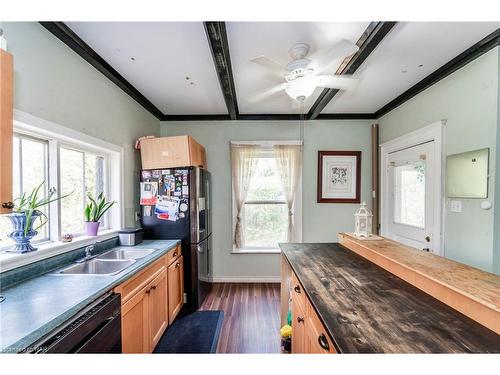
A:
[300,89]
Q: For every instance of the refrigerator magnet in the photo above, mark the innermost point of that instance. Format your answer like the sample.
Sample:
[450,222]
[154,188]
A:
[156,174]
[146,175]
[183,207]
[149,192]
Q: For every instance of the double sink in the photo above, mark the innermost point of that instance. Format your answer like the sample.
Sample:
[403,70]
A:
[107,264]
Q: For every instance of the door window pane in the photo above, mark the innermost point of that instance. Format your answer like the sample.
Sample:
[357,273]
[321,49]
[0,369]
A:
[409,194]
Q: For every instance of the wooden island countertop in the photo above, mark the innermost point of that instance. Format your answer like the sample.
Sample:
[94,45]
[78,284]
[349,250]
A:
[472,292]
[366,309]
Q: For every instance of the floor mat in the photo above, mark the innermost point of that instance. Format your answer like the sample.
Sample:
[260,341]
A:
[195,332]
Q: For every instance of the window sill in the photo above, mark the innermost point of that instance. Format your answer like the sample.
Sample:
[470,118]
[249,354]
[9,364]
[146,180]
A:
[10,261]
[256,251]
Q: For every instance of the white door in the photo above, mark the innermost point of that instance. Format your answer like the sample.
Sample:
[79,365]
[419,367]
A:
[410,197]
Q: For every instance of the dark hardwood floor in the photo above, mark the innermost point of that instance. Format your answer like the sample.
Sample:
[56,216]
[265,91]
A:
[251,316]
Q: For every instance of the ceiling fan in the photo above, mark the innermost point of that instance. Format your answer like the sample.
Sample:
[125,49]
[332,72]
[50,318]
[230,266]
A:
[302,75]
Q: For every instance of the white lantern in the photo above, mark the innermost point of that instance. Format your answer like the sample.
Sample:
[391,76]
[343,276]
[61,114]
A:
[363,221]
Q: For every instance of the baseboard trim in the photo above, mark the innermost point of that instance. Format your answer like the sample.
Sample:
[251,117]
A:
[246,279]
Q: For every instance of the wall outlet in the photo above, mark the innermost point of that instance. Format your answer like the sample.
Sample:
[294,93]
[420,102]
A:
[456,206]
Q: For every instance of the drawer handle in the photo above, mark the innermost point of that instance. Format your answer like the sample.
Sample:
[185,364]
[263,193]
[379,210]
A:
[148,291]
[175,254]
[300,320]
[177,265]
[323,342]
[153,287]
[297,289]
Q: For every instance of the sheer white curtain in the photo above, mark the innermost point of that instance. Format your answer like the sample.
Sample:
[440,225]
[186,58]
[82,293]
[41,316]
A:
[243,164]
[289,163]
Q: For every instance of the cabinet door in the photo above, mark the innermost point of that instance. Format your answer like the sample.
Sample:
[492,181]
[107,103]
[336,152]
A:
[175,288]
[158,308]
[317,340]
[6,113]
[298,327]
[135,323]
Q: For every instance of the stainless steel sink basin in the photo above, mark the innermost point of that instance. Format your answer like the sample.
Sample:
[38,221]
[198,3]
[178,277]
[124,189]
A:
[119,254]
[97,267]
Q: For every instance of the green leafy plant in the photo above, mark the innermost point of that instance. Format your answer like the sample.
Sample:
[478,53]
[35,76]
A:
[95,208]
[29,203]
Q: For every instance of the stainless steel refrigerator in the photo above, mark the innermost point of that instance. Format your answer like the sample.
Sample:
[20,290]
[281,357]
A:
[175,204]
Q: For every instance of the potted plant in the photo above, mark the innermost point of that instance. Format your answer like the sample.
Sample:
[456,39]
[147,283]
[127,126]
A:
[25,213]
[93,212]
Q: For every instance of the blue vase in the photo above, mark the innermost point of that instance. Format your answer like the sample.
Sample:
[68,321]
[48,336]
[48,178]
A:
[22,240]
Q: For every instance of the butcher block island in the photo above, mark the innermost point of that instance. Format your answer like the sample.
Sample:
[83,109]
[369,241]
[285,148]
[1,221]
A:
[342,302]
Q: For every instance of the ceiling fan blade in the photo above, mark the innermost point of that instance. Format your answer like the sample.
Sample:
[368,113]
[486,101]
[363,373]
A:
[270,65]
[267,93]
[323,59]
[341,82]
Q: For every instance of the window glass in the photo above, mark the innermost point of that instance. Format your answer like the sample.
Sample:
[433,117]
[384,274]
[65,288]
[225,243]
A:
[30,161]
[265,213]
[409,194]
[80,173]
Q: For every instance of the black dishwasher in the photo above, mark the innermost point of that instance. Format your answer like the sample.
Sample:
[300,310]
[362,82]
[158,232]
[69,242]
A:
[95,329]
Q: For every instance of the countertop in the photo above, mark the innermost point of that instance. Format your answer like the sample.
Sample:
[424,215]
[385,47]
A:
[369,310]
[481,286]
[35,307]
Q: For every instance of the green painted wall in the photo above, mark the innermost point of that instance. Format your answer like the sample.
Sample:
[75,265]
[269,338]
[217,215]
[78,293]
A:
[54,83]
[468,100]
[321,221]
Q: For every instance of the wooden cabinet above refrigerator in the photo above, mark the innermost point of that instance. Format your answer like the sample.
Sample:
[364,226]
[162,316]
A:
[172,152]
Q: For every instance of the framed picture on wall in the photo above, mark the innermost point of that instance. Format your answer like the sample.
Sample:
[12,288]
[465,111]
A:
[339,176]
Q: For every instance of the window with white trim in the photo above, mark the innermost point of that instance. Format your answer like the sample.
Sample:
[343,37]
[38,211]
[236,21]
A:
[69,165]
[266,194]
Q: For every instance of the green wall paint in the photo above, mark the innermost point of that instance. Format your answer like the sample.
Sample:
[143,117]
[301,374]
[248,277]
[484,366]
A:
[54,83]
[321,221]
[468,100]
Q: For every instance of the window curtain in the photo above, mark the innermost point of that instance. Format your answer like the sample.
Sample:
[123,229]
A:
[289,163]
[243,162]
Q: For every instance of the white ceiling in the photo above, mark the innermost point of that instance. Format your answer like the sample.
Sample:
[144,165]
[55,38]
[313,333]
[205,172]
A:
[431,44]
[248,40]
[165,53]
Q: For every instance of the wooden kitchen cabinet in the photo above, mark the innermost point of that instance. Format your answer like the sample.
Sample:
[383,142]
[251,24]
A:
[158,302]
[309,336]
[6,129]
[172,152]
[150,302]
[175,288]
[135,323]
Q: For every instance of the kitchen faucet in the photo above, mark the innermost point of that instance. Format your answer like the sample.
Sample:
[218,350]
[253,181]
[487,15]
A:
[88,252]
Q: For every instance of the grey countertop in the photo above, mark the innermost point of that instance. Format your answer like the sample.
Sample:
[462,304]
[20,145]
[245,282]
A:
[366,309]
[34,308]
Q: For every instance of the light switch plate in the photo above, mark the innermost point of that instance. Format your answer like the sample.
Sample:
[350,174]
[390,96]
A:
[456,206]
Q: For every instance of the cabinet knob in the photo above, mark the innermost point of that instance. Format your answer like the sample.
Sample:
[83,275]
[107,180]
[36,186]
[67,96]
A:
[175,254]
[323,342]
[8,205]
[300,320]
[177,265]
[297,289]
[148,291]
[153,287]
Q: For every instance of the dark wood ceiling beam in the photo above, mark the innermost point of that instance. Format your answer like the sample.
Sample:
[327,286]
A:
[217,38]
[472,53]
[372,36]
[73,41]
